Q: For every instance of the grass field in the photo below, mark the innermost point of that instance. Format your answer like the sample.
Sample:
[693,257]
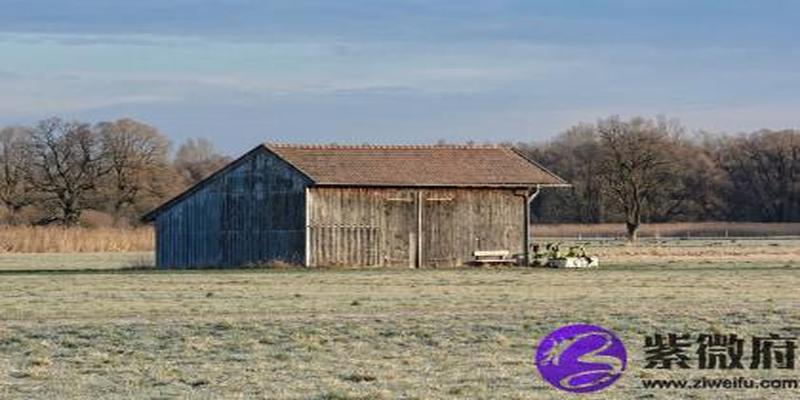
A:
[74,261]
[648,251]
[670,229]
[659,251]
[362,334]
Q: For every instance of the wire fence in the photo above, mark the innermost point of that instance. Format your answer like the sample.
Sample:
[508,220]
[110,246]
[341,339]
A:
[682,242]
[671,231]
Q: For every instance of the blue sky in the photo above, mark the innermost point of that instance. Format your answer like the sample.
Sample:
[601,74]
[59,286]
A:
[244,71]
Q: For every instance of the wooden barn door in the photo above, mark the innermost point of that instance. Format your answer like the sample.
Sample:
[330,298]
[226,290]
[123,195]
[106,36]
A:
[400,231]
[342,228]
[438,229]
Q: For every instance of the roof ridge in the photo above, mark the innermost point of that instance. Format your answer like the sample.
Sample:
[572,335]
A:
[335,146]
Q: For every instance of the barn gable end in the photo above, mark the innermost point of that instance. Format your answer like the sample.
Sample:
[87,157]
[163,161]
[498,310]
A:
[250,211]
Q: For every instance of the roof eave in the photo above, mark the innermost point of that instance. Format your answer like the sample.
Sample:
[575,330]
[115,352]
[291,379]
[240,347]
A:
[561,180]
[153,214]
[515,185]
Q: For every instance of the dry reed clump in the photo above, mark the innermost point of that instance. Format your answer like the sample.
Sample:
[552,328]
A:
[38,239]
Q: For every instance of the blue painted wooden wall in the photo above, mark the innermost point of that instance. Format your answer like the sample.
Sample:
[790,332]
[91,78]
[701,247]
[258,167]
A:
[253,212]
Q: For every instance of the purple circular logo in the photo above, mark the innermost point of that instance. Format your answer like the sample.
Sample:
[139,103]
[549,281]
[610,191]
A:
[581,358]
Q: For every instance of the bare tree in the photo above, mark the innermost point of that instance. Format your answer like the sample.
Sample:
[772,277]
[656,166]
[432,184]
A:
[764,169]
[197,159]
[636,162]
[137,159]
[692,190]
[65,166]
[575,154]
[15,193]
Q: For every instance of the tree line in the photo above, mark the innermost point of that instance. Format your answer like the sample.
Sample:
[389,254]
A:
[652,170]
[56,170]
[632,171]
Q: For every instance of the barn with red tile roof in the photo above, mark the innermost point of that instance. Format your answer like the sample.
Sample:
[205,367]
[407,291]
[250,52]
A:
[324,205]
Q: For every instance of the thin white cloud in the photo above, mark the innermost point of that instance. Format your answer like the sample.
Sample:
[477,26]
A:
[502,89]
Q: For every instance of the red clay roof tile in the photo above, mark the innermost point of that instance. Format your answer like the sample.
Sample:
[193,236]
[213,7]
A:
[440,165]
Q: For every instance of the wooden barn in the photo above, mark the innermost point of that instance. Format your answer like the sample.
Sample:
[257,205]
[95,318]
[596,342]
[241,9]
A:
[353,205]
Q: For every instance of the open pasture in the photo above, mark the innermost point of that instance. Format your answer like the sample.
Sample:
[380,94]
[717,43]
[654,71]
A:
[649,251]
[363,334]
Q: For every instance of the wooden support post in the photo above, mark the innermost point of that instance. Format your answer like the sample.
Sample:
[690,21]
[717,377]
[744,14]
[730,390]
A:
[308,228]
[412,250]
[419,229]
[527,230]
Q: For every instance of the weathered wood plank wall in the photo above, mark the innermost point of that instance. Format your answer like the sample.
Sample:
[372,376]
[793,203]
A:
[254,212]
[381,226]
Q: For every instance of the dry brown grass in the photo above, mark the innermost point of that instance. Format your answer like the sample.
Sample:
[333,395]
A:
[671,250]
[695,250]
[671,229]
[26,239]
[38,239]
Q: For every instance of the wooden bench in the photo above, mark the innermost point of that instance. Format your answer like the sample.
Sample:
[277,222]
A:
[493,257]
